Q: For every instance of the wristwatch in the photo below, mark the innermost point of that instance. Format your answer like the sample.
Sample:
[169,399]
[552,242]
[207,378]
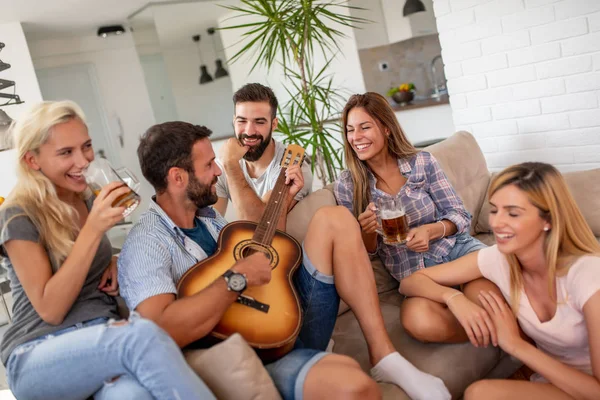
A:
[235,282]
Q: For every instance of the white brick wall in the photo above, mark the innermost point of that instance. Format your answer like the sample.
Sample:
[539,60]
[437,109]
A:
[516,109]
[574,8]
[524,78]
[583,82]
[582,45]
[564,66]
[497,8]
[506,42]
[534,54]
[594,21]
[484,64]
[511,76]
[559,30]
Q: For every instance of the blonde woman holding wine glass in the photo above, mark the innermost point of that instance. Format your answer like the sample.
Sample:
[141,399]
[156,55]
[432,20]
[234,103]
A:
[64,341]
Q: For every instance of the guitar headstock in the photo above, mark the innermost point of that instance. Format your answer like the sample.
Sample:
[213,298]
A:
[293,155]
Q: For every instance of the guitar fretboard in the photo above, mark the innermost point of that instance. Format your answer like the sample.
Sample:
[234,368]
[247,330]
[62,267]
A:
[277,202]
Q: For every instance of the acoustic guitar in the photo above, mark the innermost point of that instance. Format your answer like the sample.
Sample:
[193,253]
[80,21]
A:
[269,316]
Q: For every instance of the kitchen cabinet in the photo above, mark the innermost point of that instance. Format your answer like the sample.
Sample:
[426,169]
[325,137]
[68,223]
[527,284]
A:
[388,24]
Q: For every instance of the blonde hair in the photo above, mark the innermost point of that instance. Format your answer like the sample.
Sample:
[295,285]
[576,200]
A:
[55,220]
[570,236]
[398,145]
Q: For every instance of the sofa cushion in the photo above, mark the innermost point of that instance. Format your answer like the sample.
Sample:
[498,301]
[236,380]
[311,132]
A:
[486,238]
[482,224]
[232,370]
[585,188]
[458,365]
[465,166]
[300,216]
[383,280]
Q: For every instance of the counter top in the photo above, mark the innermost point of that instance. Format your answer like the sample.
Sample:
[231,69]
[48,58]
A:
[443,99]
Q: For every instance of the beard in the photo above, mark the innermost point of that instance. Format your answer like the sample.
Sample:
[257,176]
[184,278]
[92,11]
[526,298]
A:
[199,194]
[255,152]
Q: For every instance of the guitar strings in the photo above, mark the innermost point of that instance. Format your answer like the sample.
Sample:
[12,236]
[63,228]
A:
[275,210]
[271,212]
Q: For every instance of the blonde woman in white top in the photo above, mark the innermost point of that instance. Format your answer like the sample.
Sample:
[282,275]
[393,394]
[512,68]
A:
[546,263]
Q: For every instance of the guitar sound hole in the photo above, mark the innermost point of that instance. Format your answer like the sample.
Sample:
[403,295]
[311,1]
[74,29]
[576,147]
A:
[248,251]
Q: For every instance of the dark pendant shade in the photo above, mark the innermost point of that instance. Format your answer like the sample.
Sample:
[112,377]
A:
[204,75]
[412,6]
[220,72]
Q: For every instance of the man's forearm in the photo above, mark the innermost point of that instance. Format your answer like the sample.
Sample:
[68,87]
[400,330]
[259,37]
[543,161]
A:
[191,318]
[247,203]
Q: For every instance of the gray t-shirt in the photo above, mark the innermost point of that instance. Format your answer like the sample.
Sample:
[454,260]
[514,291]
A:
[27,324]
[267,180]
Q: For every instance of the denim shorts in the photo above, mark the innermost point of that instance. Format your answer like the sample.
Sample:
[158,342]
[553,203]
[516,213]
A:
[465,244]
[320,302]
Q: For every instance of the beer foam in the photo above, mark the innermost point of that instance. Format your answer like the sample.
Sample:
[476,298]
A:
[391,214]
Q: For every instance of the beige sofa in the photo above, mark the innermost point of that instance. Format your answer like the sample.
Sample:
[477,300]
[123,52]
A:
[461,364]
[233,372]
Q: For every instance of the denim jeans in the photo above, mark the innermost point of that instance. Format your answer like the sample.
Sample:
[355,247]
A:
[320,302]
[464,245]
[82,361]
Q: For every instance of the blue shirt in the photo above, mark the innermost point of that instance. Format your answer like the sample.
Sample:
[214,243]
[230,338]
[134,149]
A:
[201,235]
[157,253]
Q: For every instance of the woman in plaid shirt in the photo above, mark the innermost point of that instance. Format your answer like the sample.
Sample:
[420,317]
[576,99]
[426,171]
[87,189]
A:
[383,164]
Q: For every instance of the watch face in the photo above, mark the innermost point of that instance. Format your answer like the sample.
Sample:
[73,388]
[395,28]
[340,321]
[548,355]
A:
[237,282]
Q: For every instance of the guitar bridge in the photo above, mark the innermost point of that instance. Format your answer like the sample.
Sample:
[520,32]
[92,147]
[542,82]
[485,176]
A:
[252,303]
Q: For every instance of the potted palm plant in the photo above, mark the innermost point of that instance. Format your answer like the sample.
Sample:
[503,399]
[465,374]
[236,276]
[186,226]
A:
[289,33]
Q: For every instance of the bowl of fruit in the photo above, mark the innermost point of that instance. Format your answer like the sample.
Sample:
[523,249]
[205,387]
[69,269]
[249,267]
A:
[402,94]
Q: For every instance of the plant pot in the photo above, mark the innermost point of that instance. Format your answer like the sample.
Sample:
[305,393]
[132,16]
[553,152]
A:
[403,97]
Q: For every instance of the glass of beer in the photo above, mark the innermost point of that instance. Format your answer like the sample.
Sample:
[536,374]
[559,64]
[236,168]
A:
[393,221]
[100,173]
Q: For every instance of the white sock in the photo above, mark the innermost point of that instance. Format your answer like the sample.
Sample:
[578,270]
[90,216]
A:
[395,369]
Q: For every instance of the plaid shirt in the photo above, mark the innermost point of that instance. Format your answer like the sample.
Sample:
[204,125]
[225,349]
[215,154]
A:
[427,197]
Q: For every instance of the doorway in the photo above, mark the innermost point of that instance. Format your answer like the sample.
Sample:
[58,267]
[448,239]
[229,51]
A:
[79,83]
[159,88]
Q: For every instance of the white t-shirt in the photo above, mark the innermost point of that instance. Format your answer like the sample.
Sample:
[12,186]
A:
[565,336]
[267,180]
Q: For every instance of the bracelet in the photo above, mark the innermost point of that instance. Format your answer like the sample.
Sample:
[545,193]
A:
[444,225]
[453,296]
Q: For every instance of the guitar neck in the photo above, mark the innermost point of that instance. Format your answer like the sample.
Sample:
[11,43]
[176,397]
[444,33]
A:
[277,203]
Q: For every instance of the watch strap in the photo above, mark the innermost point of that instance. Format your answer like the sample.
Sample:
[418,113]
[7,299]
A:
[227,274]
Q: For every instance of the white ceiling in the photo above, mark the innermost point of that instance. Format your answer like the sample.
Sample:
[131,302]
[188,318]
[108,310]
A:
[177,23]
[59,18]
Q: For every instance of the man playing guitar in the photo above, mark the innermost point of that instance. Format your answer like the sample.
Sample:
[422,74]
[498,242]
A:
[181,229]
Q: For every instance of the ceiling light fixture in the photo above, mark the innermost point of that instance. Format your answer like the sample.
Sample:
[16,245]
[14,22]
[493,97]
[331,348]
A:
[221,71]
[204,75]
[412,7]
[111,30]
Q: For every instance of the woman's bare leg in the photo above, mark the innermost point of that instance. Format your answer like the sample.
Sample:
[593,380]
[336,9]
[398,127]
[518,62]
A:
[508,389]
[431,322]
